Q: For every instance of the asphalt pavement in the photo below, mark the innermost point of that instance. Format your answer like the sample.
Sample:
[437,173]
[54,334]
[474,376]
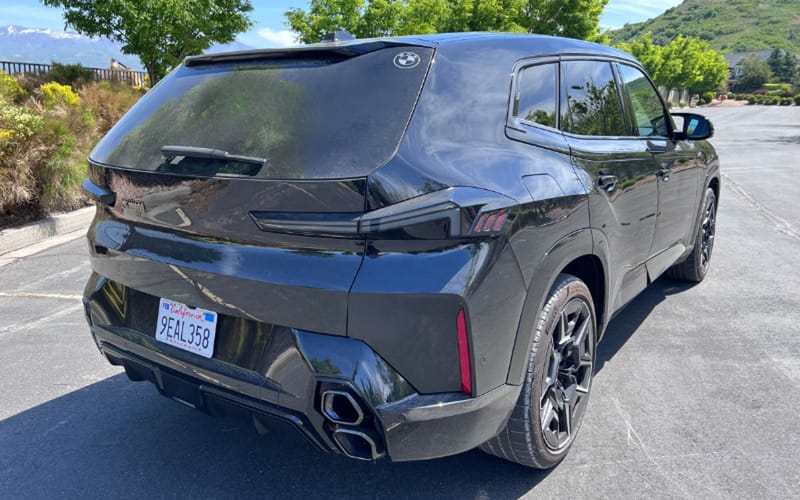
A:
[696,393]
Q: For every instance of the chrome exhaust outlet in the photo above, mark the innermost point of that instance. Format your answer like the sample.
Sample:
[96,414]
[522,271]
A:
[357,444]
[340,407]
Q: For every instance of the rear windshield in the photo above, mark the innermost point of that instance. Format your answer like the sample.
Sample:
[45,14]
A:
[304,118]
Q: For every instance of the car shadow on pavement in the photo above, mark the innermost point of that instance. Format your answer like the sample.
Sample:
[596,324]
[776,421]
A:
[116,438]
[627,322]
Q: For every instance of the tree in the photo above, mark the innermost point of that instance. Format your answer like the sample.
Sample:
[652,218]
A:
[649,54]
[783,65]
[160,32]
[689,63]
[685,63]
[755,73]
[372,18]
[570,18]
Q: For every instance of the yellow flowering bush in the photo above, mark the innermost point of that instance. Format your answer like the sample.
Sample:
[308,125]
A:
[19,122]
[55,94]
[10,89]
[46,136]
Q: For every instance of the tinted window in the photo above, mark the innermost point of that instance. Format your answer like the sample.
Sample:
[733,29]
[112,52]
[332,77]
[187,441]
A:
[320,115]
[646,107]
[589,100]
[536,95]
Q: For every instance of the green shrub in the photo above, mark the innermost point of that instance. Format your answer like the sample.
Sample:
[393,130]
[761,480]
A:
[797,99]
[777,86]
[786,101]
[778,89]
[751,99]
[707,97]
[74,75]
[108,102]
[59,176]
[731,95]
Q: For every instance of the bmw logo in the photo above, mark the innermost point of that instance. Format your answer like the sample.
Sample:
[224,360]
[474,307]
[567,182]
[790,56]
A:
[406,60]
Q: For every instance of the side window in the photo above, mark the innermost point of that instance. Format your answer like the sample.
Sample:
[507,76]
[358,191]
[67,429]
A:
[590,102]
[536,95]
[646,107]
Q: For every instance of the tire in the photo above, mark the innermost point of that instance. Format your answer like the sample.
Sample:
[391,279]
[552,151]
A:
[550,408]
[696,265]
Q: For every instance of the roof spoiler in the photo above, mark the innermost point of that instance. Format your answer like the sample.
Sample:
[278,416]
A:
[341,49]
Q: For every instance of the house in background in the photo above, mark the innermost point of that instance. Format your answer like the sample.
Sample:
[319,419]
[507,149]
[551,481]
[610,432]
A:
[126,74]
[734,59]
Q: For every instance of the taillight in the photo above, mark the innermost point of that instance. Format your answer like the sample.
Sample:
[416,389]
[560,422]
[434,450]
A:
[463,353]
[489,222]
[450,213]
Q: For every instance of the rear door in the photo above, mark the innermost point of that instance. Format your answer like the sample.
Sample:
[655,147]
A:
[619,167]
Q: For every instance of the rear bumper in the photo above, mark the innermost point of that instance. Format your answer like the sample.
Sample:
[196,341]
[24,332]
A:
[279,376]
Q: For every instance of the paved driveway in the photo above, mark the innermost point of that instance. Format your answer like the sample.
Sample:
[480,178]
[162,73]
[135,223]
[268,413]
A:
[696,395]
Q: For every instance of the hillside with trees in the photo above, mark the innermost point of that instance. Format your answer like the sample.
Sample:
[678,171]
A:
[727,25]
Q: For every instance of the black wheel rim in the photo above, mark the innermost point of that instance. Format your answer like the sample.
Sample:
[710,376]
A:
[568,375]
[707,233]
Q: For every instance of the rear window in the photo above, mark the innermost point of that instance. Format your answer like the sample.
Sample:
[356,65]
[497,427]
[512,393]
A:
[305,118]
[536,95]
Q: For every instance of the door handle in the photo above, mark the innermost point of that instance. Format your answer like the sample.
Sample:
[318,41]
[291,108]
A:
[607,182]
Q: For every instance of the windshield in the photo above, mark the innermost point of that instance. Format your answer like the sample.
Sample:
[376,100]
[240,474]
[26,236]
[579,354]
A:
[306,118]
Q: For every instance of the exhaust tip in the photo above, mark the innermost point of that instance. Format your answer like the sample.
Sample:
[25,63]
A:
[340,407]
[357,444]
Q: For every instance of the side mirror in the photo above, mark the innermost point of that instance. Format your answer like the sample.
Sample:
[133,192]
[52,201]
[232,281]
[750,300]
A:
[694,127]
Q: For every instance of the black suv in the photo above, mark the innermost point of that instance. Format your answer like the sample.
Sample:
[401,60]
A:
[402,248]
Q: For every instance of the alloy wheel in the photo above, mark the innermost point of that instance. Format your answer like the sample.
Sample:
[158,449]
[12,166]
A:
[707,232]
[568,374]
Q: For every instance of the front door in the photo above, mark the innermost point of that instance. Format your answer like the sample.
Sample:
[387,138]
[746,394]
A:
[619,167]
[676,164]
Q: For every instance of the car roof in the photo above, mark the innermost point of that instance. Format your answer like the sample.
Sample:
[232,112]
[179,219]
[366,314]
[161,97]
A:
[525,45]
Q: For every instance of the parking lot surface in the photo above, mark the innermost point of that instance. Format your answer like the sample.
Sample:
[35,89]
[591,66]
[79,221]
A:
[696,393]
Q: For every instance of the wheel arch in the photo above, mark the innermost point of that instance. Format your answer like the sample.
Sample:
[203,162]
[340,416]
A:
[712,182]
[714,185]
[573,254]
[589,269]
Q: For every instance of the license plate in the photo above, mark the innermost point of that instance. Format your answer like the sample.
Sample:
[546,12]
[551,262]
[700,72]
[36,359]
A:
[189,328]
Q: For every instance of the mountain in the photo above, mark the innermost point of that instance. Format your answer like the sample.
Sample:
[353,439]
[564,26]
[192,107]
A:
[728,25]
[35,45]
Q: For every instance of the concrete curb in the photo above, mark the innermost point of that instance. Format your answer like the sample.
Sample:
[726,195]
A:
[20,237]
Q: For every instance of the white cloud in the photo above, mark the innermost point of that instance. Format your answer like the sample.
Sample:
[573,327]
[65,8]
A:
[280,38]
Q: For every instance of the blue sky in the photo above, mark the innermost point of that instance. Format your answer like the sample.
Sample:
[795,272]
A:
[268,16]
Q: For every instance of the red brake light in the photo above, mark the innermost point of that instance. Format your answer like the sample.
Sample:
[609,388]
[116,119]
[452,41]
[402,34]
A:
[463,353]
[489,222]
